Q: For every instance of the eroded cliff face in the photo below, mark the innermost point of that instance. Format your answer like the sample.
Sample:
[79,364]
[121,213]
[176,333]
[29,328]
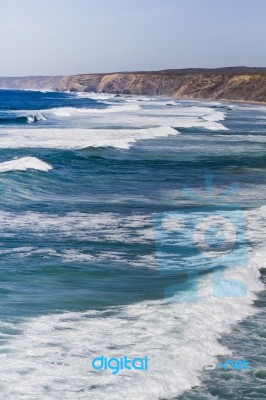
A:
[226,84]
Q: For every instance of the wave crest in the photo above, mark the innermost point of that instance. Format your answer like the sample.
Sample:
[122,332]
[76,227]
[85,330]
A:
[21,118]
[79,138]
[24,163]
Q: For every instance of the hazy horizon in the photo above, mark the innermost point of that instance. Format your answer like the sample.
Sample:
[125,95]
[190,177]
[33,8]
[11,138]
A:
[68,38]
[135,71]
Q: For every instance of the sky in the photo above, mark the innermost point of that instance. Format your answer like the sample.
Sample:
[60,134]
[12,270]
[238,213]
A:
[65,37]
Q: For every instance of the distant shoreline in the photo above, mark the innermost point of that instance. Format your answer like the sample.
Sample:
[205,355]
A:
[246,102]
[232,84]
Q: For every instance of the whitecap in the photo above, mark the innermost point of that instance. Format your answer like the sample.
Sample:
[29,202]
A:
[79,138]
[72,111]
[35,117]
[24,163]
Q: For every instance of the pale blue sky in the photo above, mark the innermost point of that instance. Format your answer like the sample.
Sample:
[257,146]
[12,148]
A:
[48,37]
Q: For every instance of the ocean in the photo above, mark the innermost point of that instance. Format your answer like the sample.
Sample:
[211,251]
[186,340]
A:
[131,226]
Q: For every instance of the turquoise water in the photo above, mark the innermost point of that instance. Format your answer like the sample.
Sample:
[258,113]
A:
[83,177]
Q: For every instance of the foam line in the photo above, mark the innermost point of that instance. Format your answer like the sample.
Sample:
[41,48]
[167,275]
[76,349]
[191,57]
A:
[78,138]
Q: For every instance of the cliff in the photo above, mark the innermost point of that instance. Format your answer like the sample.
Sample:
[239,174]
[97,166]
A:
[31,82]
[236,83]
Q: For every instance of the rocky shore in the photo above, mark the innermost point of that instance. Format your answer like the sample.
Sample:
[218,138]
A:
[234,84]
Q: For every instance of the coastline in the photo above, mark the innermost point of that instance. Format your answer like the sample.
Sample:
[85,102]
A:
[223,100]
[237,85]
[199,99]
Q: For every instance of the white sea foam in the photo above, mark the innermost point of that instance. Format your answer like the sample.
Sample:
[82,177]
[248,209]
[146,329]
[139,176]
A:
[118,257]
[179,339]
[96,96]
[82,226]
[24,163]
[136,113]
[152,102]
[29,116]
[139,113]
[178,117]
[217,116]
[35,117]
[71,111]
[107,96]
[78,138]
[62,111]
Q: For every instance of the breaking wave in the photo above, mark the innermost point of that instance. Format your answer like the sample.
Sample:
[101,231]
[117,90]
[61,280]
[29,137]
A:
[24,163]
[79,138]
[21,119]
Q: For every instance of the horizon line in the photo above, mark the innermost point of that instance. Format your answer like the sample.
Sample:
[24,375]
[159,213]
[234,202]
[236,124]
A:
[139,71]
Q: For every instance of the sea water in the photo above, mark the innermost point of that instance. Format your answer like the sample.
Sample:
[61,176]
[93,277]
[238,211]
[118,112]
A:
[84,178]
